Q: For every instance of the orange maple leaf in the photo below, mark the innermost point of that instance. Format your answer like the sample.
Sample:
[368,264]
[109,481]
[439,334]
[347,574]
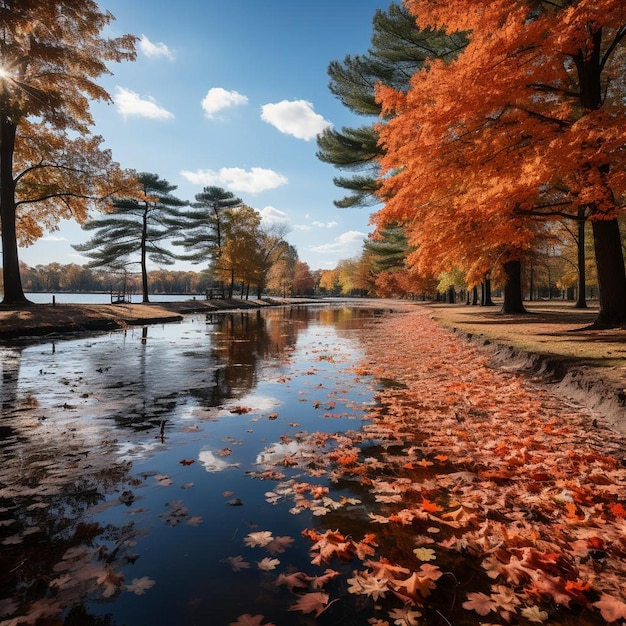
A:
[481,603]
[429,506]
[315,602]
[414,587]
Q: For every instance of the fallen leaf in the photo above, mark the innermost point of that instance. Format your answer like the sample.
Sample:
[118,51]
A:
[425,554]
[480,602]
[260,538]
[267,564]
[314,602]
[140,585]
[237,563]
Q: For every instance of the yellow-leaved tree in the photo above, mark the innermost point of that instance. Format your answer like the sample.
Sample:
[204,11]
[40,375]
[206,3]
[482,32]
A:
[51,167]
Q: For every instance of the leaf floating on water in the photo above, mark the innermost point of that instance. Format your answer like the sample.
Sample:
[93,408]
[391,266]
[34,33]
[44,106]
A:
[111,581]
[240,410]
[268,564]
[260,539]
[236,563]
[187,461]
[278,545]
[235,502]
[163,480]
[298,580]
[140,585]
[425,554]
[314,602]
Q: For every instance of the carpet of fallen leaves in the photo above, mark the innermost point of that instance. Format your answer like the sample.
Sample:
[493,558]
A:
[487,499]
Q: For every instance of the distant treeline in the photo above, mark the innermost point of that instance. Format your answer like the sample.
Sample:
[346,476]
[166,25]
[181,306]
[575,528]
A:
[80,279]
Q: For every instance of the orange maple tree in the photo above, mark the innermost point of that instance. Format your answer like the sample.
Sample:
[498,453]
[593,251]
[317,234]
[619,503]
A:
[528,121]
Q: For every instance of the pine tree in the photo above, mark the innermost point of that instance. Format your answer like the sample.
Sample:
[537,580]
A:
[204,226]
[399,49]
[135,229]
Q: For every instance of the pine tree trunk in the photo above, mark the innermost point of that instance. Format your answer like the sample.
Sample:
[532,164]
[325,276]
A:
[13,290]
[611,275]
[513,288]
[144,268]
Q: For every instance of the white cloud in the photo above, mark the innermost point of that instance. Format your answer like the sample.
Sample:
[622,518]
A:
[217,99]
[302,227]
[325,224]
[271,216]
[236,179]
[296,118]
[154,49]
[130,103]
[343,242]
[53,238]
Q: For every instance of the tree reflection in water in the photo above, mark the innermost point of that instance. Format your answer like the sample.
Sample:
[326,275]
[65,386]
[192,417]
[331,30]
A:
[103,492]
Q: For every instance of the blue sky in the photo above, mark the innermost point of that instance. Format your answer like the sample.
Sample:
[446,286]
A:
[233,94]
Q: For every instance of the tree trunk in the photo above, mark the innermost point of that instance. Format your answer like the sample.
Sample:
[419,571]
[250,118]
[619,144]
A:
[485,299]
[513,288]
[611,275]
[13,290]
[581,301]
[474,295]
[144,268]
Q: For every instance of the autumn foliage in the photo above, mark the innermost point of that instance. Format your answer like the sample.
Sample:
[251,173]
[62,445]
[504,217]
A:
[528,122]
[51,168]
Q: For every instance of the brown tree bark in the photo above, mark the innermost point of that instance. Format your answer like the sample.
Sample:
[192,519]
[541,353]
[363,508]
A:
[13,290]
[513,288]
[611,275]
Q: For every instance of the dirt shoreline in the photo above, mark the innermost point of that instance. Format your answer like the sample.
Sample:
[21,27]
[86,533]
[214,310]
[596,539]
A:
[552,344]
[45,319]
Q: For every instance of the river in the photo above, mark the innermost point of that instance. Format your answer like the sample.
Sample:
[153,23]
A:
[136,465]
[100,298]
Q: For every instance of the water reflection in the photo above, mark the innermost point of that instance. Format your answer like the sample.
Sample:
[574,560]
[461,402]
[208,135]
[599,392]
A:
[128,456]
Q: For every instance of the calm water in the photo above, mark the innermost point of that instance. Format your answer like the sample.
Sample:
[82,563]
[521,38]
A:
[99,298]
[136,464]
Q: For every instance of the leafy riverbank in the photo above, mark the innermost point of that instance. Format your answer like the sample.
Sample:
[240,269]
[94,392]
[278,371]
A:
[554,343]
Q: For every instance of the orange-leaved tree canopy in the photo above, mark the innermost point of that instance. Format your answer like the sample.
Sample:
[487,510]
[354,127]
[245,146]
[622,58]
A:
[528,122]
[51,52]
